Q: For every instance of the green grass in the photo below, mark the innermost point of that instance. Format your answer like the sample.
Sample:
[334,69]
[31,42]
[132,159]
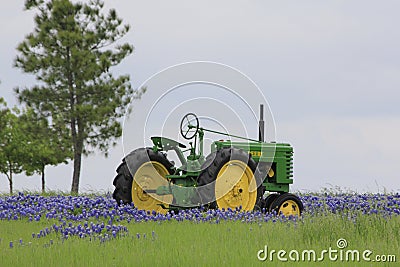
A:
[200,244]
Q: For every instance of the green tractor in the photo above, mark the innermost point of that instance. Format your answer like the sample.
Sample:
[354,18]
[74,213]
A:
[236,175]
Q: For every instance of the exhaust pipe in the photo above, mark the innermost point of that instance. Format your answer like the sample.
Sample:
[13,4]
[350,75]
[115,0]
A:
[261,124]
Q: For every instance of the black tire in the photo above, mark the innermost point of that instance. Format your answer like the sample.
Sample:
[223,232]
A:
[123,185]
[267,202]
[287,204]
[126,170]
[214,163]
[201,198]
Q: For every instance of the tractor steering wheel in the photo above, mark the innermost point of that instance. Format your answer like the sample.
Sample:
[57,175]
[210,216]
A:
[189,130]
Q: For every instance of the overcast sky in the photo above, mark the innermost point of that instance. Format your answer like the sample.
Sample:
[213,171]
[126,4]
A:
[330,71]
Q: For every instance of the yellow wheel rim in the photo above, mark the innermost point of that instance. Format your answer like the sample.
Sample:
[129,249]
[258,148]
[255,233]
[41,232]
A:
[236,186]
[150,175]
[289,207]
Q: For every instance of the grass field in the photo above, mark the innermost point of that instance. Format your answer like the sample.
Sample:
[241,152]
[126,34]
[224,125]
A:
[93,231]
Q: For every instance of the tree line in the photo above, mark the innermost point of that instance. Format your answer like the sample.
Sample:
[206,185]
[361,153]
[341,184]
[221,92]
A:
[29,144]
[75,106]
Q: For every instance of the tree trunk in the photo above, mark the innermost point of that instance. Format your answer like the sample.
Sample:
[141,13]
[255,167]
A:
[11,186]
[43,181]
[77,172]
[77,157]
[78,149]
[10,181]
[76,125]
[77,136]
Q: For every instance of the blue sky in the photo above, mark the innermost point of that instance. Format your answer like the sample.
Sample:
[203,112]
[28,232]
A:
[330,71]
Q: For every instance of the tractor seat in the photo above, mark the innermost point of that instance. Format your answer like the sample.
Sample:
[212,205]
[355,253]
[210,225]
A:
[165,143]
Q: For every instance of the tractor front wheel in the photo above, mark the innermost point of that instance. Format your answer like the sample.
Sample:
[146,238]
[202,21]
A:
[287,204]
[267,202]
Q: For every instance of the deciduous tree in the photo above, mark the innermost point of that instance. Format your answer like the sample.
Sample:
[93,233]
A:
[46,145]
[13,144]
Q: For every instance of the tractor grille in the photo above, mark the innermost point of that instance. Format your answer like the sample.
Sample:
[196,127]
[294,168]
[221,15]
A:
[289,164]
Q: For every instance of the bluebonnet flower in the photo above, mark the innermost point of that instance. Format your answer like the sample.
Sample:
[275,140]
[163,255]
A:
[79,216]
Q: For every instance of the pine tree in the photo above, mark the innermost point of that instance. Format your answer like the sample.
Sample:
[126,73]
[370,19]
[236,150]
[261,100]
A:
[71,52]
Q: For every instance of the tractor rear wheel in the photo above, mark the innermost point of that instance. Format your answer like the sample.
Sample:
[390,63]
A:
[229,181]
[287,204]
[140,170]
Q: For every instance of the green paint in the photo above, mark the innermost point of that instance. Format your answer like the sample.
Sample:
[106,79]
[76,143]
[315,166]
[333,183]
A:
[277,156]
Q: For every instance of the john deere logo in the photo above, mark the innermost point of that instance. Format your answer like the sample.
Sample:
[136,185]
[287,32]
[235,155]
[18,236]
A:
[255,153]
